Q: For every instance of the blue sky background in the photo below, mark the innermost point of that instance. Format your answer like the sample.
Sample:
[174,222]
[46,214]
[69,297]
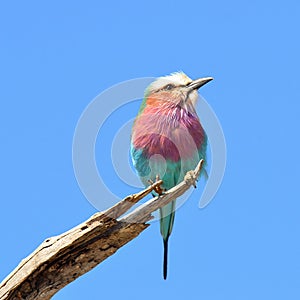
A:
[55,57]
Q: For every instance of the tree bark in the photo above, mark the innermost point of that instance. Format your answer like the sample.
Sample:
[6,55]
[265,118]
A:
[61,259]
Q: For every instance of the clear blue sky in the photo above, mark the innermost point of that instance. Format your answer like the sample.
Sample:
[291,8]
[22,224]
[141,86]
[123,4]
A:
[56,56]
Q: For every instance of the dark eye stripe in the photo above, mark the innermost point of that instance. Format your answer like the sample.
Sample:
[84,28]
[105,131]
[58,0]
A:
[169,87]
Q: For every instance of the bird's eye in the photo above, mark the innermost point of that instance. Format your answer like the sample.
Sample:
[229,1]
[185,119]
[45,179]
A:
[169,87]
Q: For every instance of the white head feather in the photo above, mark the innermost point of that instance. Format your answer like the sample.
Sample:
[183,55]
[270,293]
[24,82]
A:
[177,78]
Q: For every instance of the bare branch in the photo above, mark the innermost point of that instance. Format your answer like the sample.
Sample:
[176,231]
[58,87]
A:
[61,259]
[123,206]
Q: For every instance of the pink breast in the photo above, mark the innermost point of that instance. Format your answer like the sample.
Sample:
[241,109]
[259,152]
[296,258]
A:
[175,134]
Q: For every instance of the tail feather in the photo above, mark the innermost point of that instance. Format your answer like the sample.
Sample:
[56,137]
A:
[167,215]
[165,263]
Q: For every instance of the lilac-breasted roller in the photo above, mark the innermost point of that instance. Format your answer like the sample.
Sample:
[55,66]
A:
[167,139]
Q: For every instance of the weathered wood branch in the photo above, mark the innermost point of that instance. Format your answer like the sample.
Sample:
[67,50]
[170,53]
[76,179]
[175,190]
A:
[61,259]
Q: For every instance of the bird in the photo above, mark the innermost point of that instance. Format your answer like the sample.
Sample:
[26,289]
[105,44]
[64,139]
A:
[168,140]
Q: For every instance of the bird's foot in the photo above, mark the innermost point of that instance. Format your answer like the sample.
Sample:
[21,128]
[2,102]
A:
[190,178]
[157,189]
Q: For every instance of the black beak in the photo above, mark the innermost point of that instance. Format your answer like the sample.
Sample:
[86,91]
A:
[196,84]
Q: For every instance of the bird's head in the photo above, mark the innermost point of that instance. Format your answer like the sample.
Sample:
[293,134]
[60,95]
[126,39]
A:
[175,89]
